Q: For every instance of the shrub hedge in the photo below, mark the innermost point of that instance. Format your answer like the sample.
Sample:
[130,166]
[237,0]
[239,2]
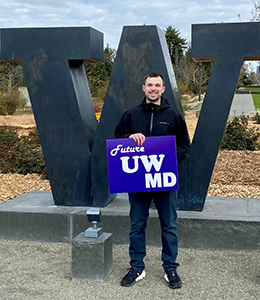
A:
[238,136]
[22,154]
[256,118]
[10,102]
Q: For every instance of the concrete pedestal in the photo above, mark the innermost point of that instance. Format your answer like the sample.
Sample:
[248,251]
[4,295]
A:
[92,258]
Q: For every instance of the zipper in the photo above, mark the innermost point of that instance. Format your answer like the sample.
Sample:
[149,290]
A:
[151,124]
[151,129]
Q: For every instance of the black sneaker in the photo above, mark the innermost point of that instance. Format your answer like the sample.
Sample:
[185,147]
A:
[131,277]
[173,278]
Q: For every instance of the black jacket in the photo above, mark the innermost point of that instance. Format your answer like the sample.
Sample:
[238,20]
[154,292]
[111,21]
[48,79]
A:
[154,120]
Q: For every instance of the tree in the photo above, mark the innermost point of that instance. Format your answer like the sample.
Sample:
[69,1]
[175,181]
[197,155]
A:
[189,72]
[11,78]
[256,18]
[109,58]
[174,41]
[255,11]
[247,76]
[99,74]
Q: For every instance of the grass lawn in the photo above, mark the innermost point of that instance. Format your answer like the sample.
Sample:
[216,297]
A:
[256,88]
[256,98]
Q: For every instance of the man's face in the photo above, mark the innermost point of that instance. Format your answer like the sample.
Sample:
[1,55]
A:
[153,89]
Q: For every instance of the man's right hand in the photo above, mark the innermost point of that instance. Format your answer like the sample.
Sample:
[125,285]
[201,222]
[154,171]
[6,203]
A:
[139,138]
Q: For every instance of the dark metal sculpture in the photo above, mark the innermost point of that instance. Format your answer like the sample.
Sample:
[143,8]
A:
[52,62]
[74,146]
[228,45]
[142,49]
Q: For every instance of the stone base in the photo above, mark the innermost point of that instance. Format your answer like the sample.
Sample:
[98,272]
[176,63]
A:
[224,224]
[92,258]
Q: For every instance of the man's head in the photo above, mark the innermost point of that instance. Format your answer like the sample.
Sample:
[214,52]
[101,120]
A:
[153,87]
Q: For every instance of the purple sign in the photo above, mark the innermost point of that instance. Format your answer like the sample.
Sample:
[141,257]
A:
[150,167]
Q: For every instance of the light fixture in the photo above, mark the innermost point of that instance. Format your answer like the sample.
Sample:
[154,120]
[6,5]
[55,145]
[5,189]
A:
[94,216]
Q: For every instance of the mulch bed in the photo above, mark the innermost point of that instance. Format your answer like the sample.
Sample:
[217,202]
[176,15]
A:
[236,173]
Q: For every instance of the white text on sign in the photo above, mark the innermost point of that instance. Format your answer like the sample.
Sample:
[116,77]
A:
[167,179]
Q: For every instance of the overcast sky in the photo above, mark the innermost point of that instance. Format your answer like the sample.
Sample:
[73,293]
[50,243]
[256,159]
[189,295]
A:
[109,16]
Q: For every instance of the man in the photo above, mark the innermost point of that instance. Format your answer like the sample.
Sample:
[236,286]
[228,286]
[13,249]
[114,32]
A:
[153,117]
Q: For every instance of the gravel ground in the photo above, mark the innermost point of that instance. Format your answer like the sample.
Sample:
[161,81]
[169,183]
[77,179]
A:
[33,270]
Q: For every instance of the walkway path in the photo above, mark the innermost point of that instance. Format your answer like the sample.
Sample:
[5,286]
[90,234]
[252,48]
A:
[242,104]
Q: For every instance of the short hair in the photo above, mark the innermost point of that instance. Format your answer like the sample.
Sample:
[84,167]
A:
[154,74]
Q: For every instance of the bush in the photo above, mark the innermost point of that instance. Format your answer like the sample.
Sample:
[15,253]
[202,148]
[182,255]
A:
[2,108]
[238,136]
[185,106]
[256,118]
[21,155]
[182,88]
[194,88]
[8,138]
[10,102]
[195,104]
[204,89]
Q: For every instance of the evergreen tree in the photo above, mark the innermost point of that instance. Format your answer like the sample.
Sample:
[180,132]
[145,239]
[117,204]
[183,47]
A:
[99,74]
[174,41]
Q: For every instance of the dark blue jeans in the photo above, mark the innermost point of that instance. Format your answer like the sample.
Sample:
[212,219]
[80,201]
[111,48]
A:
[139,213]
